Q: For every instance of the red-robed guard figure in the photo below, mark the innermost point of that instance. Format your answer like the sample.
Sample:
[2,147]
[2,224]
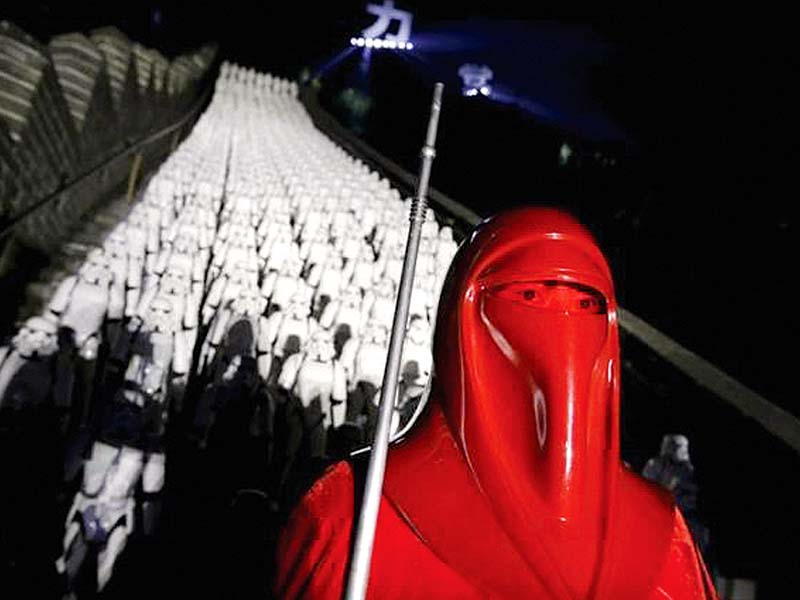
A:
[510,485]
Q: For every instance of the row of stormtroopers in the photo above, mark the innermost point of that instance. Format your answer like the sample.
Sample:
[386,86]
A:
[259,252]
[330,243]
[163,248]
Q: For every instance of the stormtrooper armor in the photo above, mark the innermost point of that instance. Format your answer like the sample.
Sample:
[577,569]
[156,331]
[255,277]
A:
[315,375]
[81,303]
[26,365]
[291,327]
[102,514]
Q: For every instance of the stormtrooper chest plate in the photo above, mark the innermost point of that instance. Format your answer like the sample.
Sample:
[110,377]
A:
[370,362]
[315,379]
[362,276]
[285,287]
[86,309]
[350,316]
[383,310]
[292,333]
[330,282]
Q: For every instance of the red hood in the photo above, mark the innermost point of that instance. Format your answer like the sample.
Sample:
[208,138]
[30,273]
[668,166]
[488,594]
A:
[513,474]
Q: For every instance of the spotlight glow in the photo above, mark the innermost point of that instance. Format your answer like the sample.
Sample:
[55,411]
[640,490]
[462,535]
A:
[409,46]
[378,43]
[368,43]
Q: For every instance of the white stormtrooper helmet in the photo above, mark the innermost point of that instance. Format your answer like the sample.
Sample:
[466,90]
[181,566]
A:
[375,333]
[351,298]
[116,242]
[95,268]
[292,266]
[160,315]
[243,273]
[249,303]
[299,307]
[320,347]
[675,447]
[175,281]
[37,336]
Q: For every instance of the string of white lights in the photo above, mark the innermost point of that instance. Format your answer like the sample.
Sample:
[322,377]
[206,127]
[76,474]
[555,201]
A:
[380,44]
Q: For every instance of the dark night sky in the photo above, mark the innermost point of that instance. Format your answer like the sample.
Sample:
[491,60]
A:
[703,89]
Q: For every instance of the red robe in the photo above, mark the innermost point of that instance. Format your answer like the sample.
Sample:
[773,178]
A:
[510,485]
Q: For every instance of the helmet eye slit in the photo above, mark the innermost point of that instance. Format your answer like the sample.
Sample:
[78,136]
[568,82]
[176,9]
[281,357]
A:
[552,295]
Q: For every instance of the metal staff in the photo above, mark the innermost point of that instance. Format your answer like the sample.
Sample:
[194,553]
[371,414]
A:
[368,517]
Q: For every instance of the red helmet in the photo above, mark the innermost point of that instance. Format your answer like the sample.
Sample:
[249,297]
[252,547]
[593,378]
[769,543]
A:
[521,435]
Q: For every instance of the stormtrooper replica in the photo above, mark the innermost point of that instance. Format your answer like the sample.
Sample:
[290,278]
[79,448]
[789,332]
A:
[315,375]
[79,306]
[426,260]
[81,302]
[310,223]
[130,449]
[417,356]
[417,363]
[241,247]
[446,249]
[290,328]
[279,286]
[165,333]
[328,280]
[248,306]
[316,250]
[182,242]
[227,286]
[157,337]
[26,365]
[673,470]
[236,354]
[379,303]
[116,253]
[279,250]
[344,316]
[390,263]
[430,228]
[136,245]
[364,361]
[276,219]
[343,227]
[423,299]
[102,515]
[360,269]
[393,229]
